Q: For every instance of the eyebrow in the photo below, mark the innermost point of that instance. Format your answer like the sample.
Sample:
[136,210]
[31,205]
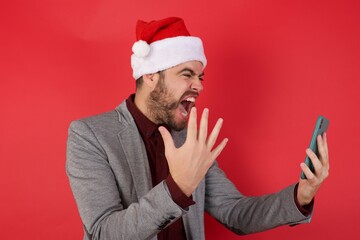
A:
[191,72]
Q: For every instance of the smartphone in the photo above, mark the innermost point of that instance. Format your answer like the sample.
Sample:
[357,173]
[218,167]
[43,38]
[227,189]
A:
[321,126]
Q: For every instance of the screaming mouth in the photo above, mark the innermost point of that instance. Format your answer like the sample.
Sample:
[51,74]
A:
[186,105]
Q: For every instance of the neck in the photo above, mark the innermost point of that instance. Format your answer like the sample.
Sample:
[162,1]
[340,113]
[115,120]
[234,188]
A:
[140,103]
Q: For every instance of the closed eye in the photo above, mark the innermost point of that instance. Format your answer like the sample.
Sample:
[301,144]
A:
[188,73]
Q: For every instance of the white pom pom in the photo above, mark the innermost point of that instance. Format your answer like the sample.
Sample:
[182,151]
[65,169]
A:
[141,48]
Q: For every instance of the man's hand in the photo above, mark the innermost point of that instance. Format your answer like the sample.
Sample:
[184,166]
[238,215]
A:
[308,187]
[189,163]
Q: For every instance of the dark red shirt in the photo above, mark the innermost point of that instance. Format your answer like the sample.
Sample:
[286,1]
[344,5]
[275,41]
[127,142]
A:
[159,168]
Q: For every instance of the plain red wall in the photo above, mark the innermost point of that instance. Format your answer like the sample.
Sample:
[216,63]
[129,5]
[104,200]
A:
[274,66]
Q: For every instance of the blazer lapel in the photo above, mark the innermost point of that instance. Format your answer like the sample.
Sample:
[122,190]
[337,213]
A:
[135,152]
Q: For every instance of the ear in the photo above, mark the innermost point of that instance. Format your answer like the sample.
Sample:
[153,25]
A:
[151,80]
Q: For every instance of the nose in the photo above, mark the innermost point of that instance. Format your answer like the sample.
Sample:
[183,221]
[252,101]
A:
[197,85]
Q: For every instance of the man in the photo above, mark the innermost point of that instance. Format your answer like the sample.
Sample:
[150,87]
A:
[138,173]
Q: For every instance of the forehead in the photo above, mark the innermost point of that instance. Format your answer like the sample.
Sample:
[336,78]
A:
[194,66]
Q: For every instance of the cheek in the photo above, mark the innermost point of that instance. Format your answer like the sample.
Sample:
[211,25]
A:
[180,87]
[176,86]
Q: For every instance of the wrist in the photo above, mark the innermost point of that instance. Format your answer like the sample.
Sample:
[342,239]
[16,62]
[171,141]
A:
[185,188]
[303,199]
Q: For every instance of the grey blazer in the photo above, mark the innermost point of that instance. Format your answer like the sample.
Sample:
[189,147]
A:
[110,178]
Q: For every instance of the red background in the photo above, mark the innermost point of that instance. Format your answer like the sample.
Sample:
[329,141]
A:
[274,66]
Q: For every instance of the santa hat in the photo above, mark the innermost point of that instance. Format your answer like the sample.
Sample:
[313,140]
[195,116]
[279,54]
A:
[164,44]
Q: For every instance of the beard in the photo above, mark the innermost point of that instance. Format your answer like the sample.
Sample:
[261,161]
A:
[161,106]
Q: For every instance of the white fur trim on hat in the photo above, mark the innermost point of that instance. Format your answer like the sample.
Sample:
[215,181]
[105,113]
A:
[165,53]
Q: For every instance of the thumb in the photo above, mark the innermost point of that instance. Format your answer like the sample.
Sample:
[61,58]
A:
[167,138]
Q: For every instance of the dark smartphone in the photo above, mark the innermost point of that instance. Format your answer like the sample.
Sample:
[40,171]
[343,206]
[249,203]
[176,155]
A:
[320,127]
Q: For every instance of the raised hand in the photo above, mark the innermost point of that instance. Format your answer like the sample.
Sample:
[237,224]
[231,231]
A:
[189,163]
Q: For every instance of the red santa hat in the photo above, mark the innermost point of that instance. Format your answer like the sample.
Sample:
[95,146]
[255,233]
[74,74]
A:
[164,44]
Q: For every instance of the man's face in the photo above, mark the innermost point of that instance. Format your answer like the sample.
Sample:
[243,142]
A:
[175,94]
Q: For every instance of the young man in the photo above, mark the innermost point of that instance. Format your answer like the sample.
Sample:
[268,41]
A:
[139,173]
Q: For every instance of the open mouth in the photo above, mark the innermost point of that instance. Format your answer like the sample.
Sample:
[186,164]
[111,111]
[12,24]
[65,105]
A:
[186,105]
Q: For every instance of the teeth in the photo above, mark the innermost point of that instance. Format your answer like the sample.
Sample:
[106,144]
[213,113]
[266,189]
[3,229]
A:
[190,99]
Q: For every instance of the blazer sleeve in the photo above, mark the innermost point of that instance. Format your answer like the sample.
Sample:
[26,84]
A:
[101,208]
[247,214]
